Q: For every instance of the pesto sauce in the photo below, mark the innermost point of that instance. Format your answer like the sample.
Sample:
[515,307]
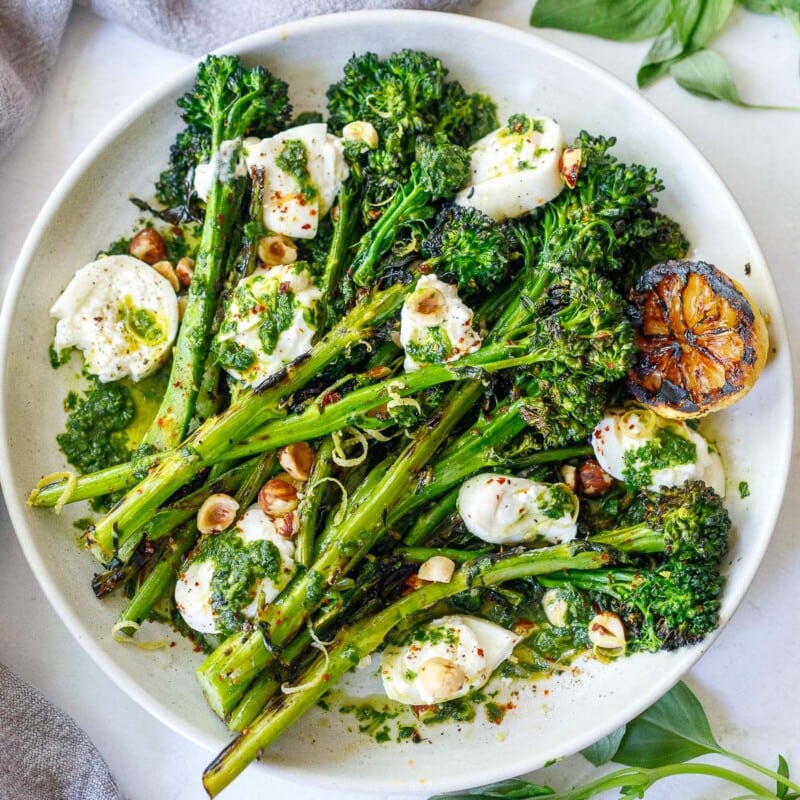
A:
[667,448]
[95,434]
[279,318]
[237,568]
[293,159]
[430,346]
[744,489]
[557,502]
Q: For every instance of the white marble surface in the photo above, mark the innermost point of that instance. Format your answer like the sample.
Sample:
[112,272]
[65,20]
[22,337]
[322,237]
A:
[748,681]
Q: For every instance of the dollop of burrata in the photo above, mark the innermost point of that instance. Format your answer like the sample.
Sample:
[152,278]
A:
[502,509]
[201,601]
[121,313]
[639,447]
[295,203]
[269,322]
[436,325]
[515,169]
[445,659]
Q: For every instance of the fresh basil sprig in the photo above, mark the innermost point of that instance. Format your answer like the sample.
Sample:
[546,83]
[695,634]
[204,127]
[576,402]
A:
[660,743]
[682,29]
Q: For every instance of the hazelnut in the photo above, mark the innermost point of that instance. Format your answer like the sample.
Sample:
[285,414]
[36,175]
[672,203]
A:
[183,301]
[607,634]
[555,608]
[148,246]
[592,480]
[166,270]
[297,459]
[278,249]
[217,513]
[440,678]
[437,569]
[359,131]
[277,497]
[570,165]
[569,476]
[426,306]
[184,269]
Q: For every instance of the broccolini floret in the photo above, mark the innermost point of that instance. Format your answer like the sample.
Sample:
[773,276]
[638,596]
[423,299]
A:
[670,606]
[403,96]
[466,243]
[440,170]
[227,101]
[685,523]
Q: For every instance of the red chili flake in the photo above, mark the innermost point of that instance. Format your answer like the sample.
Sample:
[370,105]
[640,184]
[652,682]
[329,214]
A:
[285,287]
[306,226]
[330,397]
[480,652]
[172,644]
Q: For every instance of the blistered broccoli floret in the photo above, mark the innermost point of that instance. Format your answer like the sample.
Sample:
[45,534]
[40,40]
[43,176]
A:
[607,221]
[464,117]
[466,243]
[403,96]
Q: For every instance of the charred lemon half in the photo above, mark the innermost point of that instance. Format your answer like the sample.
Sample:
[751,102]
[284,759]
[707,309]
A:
[702,341]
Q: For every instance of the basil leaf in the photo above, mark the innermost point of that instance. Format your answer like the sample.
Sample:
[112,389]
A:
[604,750]
[664,52]
[621,20]
[685,14]
[705,74]
[783,771]
[673,730]
[786,9]
[505,790]
[710,21]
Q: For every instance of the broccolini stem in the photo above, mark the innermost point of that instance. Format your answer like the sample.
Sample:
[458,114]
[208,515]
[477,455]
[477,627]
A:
[181,511]
[194,337]
[243,255]
[337,258]
[409,202]
[424,553]
[430,521]
[311,504]
[162,576]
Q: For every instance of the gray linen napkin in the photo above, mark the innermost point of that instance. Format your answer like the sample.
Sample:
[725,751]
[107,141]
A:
[60,761]
[30,32]
[44,755]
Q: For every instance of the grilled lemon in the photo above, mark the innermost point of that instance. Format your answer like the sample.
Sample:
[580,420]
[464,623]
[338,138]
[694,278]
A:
[702,341]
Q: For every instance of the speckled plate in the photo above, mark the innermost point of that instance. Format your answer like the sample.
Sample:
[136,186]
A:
[89,208]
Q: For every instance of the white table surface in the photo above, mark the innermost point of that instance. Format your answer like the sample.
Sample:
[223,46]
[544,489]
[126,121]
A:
[748,681]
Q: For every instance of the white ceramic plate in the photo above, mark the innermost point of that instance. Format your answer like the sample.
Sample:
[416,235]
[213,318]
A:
[89,208]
